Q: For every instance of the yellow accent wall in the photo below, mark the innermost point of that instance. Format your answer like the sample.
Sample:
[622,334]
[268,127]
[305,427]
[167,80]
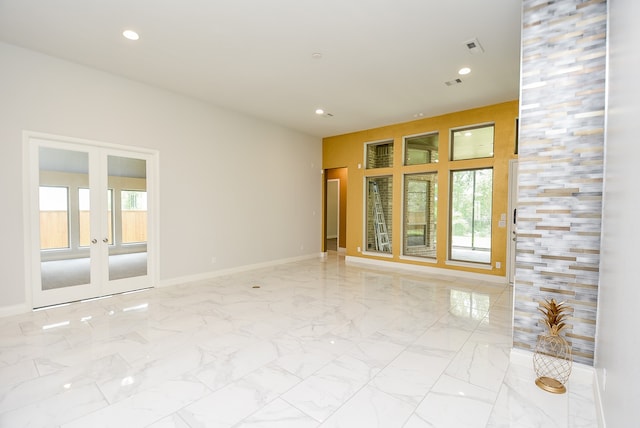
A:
[348,151]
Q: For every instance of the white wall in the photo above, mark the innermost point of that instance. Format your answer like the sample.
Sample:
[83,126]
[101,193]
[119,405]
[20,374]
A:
[617,344]
[234,187]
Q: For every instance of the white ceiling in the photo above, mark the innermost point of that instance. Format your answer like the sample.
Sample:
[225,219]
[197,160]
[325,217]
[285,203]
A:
[383,61]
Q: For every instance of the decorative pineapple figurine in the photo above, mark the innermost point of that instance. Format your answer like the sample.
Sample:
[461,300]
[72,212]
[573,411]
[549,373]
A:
[552,357]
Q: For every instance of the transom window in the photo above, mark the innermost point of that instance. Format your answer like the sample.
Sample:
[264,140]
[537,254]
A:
[421,149]
[472,143]
[379,155]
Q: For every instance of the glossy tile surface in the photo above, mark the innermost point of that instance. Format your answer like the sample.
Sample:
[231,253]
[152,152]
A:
[319,344]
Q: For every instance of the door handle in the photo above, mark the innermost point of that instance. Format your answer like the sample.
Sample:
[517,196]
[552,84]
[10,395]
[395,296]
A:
[105,240]
[94,241]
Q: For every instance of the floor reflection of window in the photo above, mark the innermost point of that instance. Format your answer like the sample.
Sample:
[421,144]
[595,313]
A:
[467,304]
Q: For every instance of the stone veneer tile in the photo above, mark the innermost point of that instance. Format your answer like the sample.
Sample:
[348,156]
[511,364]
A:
[560,167]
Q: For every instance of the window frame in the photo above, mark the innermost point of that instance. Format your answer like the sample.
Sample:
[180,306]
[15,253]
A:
[469,128]
[450,257]
[388,217]
[405,146]
[390,142]
[431,211]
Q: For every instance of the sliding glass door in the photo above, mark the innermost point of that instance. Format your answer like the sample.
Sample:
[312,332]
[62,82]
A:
[91,222]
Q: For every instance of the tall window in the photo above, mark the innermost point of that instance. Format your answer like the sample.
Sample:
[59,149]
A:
[54,217]
[420,199]
[379,210]
[471,198]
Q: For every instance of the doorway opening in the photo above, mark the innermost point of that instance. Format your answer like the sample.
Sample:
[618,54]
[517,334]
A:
[335,212]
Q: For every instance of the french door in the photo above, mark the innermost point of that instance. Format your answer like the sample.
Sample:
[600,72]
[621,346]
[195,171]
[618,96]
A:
[92,220]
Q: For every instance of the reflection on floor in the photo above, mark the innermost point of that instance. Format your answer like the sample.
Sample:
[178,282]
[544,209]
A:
[65,273]
[318,344]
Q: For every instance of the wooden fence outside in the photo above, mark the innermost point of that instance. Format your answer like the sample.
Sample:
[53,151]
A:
[54,228]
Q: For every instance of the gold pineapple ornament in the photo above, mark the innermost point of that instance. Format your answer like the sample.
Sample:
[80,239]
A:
[552,357]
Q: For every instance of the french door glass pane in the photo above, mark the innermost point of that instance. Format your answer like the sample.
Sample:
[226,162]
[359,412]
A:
[128,254]
[471,198]
[63,261]
[84,216]
[134,216]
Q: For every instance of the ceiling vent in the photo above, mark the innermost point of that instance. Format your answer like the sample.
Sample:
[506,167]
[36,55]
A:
[453,82]
[473,46]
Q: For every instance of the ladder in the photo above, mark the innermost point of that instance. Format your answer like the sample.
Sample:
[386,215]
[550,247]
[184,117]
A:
[380,226]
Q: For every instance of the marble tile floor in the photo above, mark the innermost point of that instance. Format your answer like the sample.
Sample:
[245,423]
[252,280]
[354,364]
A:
[320,343]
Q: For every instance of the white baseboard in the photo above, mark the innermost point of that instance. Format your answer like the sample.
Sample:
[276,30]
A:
[7,311]
[581,372]
[426,269]
[238,269]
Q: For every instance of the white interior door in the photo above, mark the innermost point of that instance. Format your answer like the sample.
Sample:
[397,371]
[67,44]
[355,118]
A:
[92,220]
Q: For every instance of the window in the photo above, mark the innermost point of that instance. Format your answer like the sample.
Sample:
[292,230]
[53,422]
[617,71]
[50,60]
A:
[133,216]
[379,210]
[472,143]
[420,199]
[471,198]
[54,217]
[421,149]
[379,155]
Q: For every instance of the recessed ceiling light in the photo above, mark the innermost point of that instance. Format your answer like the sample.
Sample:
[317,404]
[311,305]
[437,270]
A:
[464,70]
[130,34]
[319,111]
[316,55]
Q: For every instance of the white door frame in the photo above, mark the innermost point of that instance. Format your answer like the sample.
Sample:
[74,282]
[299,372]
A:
[512,229]
[32,141]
